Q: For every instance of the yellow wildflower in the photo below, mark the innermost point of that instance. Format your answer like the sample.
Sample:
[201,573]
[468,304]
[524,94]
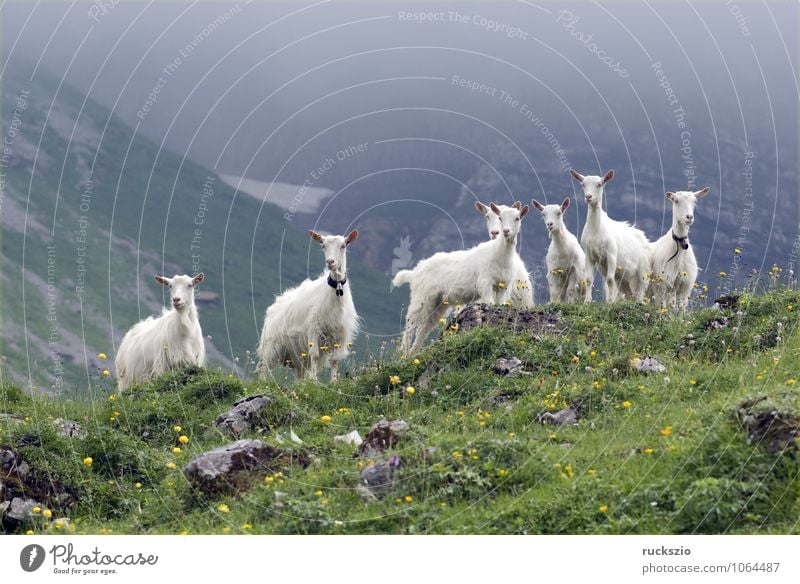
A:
[325,419]
[87,461]
[183,439]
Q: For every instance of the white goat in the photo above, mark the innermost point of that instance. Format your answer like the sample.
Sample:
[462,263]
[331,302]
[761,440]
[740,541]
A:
[616,249]
[314,323]
[480,274]
[521,293]
[568,274]
[674,266]
[170,341]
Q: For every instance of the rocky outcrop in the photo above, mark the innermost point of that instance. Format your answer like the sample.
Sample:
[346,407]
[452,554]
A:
[243,416]
[228,468]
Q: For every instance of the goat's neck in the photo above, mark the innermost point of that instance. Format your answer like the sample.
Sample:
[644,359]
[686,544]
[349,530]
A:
[504,248]
[557,236]
[594,217]
[187,316]
[337,275]
[679,229]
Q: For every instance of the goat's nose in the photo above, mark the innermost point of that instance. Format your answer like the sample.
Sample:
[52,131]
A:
[550,224]
[329,262]
[495,232]
[176,299]
[690,218]
[506,231]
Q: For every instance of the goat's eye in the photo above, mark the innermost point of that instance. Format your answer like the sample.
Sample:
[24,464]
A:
[190,285]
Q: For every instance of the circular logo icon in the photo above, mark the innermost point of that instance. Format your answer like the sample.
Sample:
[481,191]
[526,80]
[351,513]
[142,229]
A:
[31,557]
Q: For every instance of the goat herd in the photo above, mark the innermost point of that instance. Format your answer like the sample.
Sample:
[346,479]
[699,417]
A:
[314,323]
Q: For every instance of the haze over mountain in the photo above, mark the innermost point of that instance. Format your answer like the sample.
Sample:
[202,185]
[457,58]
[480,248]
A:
[394,117]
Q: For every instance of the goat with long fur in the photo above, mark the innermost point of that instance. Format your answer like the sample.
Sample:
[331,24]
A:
[616,249]
[568,275]
[521,293]
[480,274]
[674,265]
[172,340]
[313,324]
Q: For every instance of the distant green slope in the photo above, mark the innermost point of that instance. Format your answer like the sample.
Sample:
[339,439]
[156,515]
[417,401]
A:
[137,209]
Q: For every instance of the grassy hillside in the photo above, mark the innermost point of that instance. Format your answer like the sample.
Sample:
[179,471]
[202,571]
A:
[84,187]
[651,453]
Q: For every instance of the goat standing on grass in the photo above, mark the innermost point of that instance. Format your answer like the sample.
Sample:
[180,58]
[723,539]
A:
[616,249]
[568,274]
[674,268]
[480,274]
[521,293]
[170,341]
[312,324]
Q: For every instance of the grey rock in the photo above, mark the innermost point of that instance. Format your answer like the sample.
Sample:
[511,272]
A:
[566,417]
[509,367]
[382,436]
[12,464]
[10,419]
[351,438]
[68,428]
[20,509]
[378,477]
[649,365]
[220,470]
[242,416]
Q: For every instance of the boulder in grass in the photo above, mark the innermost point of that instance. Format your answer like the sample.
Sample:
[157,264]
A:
[243,415]
[377,478]
[646,364]
[353,438]
[19,510]
[69,429]
[566,417]
[227,469]
[382,436]
[508,367]
[772,421]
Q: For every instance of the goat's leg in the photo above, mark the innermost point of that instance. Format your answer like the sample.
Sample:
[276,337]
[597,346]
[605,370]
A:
[610,282]
[427,324]
[413,318]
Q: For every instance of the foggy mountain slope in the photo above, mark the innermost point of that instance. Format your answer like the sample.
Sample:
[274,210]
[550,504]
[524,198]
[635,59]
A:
[81,245]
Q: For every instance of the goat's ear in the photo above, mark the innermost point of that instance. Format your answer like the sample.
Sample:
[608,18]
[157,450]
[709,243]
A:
[523,211]
[565,203]
[198,278]
[608,176]
[495,209]
[162,280]
[576,175]
[702,193]
[670,195]
[517,205]
[537,205]
[481,207]
[351,237]
[315,236]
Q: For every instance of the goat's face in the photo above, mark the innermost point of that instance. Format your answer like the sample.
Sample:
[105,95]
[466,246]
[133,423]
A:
[593,186]
[684,203]
[181,289]
[335,249]
[510,219]
[552,215]
[492,220]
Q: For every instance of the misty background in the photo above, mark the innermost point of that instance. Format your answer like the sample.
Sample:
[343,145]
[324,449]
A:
[264,119]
